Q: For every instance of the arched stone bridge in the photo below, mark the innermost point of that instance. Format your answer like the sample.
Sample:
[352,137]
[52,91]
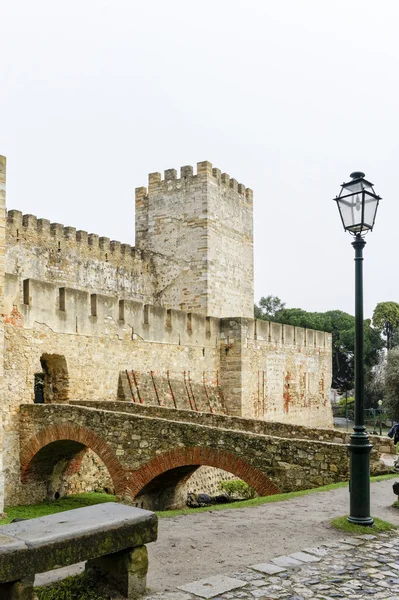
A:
[137,448]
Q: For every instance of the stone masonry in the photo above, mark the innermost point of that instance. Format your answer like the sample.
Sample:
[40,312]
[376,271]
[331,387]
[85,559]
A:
[138,449]
[204,223]
[81,312]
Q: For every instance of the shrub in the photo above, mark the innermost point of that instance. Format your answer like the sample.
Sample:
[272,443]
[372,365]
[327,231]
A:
[236,488]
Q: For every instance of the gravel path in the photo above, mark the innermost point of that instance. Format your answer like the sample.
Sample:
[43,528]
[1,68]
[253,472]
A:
[192,547]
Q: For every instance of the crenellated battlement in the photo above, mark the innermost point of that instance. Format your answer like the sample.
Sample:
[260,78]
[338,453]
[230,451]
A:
[75,258]
[28,227]
[204,170]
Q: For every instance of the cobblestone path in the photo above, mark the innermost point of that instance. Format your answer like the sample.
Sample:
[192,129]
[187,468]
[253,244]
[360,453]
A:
[354,567]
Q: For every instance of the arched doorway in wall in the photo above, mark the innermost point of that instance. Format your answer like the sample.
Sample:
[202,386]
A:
[55,378]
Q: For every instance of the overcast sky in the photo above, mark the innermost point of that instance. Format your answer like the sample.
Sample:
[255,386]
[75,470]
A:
[287,96]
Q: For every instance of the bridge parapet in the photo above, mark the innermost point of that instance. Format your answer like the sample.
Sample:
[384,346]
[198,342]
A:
[381,445]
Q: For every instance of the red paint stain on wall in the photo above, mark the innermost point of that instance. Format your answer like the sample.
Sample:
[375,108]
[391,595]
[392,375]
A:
[287,395]
[14,318]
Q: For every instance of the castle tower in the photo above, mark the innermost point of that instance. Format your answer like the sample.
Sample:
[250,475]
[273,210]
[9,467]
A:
[201,229]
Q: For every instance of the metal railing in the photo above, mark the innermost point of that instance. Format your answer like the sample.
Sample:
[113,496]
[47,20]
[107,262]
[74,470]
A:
[377,421]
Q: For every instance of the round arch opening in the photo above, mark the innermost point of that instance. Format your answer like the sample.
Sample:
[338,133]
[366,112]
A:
[169,490]
[165,481]
[65,467]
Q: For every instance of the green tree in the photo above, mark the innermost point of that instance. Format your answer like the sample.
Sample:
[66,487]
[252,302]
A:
[268,307]
[392,383]
[342,327]
[386,319]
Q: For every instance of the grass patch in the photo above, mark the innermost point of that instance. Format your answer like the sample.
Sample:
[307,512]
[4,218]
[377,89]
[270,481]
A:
[50,507]
[89,499]
[81,587]
[265,499]
[379,526]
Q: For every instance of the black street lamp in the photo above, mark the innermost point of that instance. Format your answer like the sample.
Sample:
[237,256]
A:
[357,204]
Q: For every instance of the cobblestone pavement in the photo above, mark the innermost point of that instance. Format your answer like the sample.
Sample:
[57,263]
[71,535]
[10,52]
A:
[354,567]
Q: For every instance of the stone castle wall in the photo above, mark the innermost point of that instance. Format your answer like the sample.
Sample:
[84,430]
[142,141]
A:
[84,347]
[50,252]
[82,310]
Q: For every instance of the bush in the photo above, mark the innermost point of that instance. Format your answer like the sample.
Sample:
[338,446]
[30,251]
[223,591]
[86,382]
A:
[236,488]
[344,408]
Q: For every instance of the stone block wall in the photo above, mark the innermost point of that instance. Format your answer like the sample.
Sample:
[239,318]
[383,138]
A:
[86,473]
[381,445]
[173,391]
[276,372]
[50,252]
[80,309]
[139,450]
[87,364]
[204,221]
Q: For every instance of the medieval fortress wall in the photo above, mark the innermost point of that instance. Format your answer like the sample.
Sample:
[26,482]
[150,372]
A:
[175,312]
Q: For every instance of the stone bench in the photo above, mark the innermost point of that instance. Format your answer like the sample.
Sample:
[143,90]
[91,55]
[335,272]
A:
[111,537]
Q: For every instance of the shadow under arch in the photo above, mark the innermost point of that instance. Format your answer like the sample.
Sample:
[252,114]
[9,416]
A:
[40,453]
[198,456]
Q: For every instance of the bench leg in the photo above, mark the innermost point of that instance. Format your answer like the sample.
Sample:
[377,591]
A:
[18,590]
[126,570]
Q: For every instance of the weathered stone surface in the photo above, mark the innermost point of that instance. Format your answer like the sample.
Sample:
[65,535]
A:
[125,570]
[177,310]
[67,538]
[304,557]
[268,568]
[286,561]
[213,586]
[266,463]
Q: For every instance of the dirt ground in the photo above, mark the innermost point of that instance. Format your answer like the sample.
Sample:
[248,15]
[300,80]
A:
[199,545]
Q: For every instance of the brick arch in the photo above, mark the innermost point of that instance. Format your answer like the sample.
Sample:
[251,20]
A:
[211,457]
[80,435]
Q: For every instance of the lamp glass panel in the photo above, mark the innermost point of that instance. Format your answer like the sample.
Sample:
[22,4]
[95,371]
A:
[351,210]
[370,209]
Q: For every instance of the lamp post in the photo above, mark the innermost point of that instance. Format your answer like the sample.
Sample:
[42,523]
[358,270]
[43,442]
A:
[379,406]
[357,204]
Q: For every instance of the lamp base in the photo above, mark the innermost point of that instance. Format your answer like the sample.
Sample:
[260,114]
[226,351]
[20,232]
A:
[364,521]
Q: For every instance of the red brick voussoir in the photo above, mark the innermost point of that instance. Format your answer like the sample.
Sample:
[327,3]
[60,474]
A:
[181,457]
[76,433]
